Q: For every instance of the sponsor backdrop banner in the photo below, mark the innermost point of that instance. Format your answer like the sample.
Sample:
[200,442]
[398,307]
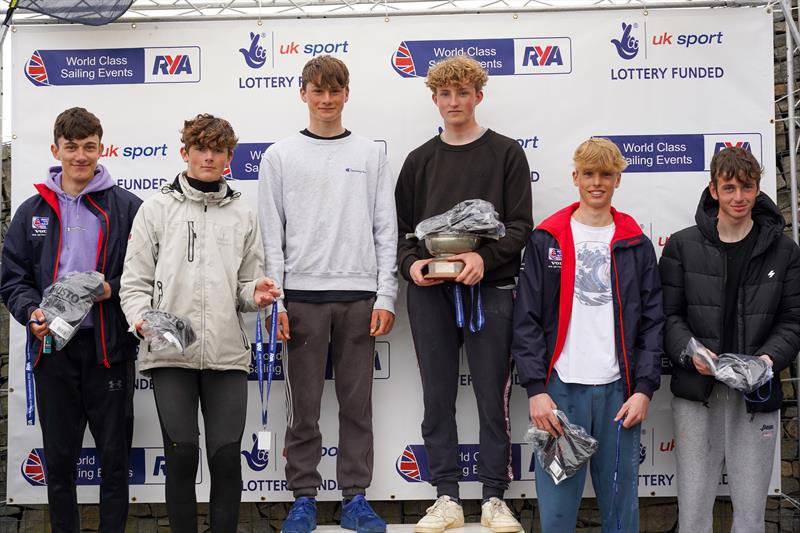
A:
[672,88]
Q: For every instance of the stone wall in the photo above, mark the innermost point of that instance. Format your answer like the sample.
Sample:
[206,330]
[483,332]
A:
[658,515]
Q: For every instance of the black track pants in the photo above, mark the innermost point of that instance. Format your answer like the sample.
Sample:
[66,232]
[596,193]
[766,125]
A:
[438,341]
[72,388]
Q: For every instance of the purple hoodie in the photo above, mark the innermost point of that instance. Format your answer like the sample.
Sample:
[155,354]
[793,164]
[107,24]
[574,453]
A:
[80,229]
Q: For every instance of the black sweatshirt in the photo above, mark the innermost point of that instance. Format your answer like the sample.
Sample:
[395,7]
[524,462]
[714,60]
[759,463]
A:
[436,176]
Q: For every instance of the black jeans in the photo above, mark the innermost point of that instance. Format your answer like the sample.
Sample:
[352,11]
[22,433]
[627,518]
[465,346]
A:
[72,388]
[438,341]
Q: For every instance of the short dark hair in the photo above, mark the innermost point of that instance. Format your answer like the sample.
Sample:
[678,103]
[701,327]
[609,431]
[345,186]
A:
[208,131]
[326,72]
[76,123]
[736,163]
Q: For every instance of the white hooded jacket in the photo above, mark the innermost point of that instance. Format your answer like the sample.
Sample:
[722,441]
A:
[198,255]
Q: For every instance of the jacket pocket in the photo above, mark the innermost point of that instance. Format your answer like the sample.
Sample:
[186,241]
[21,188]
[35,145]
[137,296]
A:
[192,236]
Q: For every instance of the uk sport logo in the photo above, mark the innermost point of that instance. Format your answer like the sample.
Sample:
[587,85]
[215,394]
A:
[627,45]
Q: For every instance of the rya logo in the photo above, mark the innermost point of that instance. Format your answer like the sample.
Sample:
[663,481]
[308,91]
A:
[256,459]
[627,45]
[169,65]
[744,145]
[542,56]
[256,55]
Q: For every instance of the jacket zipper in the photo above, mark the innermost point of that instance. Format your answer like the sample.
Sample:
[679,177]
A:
[192,237]
[104,240]
[621,325]
[203,289]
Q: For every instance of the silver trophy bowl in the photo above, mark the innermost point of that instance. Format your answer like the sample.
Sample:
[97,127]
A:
[443,245]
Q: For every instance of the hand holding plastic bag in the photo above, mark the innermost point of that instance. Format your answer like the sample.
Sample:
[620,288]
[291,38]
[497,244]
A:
[66,303]
[165,330]
[562,456]
[741,372]
[470,216]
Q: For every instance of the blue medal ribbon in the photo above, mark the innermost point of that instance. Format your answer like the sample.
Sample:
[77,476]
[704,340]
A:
[459,305]
[30,400]
[476,324]
[615,485]
[477,318]
[271,355]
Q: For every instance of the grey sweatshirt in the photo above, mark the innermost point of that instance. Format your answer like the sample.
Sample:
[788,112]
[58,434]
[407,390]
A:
[327,216]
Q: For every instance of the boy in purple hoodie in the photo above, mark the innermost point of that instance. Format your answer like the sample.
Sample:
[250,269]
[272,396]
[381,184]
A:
[79,221]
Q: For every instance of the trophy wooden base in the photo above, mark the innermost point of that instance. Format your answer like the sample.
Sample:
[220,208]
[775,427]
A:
[447,270]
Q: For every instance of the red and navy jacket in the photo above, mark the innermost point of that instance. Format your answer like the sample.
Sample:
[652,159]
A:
[31,254]
[544,303]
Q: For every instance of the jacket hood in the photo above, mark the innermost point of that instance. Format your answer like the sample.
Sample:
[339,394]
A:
[100,182]
[765,213]
[559,222]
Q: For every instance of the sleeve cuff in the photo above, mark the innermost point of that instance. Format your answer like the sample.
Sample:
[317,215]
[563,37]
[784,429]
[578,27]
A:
[536,387]
[405,267]
[384,302]
[645,388]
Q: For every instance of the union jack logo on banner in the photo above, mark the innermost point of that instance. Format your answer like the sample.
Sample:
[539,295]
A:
[403,63]
[33,469]
[35,70]
[227,174]
[408,466]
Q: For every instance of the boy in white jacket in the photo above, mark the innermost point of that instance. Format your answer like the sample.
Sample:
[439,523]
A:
[195,251]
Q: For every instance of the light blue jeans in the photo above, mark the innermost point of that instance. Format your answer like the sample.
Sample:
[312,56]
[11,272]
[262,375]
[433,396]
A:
[593,407]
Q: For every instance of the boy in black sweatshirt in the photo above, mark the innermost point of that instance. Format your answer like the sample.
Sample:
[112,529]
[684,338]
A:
[465,162]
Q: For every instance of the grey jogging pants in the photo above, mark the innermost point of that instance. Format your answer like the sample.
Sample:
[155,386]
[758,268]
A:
[723,434]
[345,327]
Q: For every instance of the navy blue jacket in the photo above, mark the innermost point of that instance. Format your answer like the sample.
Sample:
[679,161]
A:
[30,263]
[544,303]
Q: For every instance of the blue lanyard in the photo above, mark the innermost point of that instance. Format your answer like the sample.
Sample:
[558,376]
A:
[30,400]
[759,398]
[616,480]
[475,322]
[271,354]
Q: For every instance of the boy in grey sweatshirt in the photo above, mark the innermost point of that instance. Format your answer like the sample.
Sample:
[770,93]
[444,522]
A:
[328,222]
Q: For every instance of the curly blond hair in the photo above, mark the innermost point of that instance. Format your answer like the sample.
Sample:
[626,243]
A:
[459,70]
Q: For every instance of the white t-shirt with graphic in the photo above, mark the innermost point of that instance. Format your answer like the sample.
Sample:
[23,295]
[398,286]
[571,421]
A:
[589,354]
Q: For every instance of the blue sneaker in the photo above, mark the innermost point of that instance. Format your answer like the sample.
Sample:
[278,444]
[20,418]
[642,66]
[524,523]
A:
[302,517]
[359,516]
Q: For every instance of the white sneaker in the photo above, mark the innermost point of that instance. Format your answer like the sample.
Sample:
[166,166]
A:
[443,514]
[496,515]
